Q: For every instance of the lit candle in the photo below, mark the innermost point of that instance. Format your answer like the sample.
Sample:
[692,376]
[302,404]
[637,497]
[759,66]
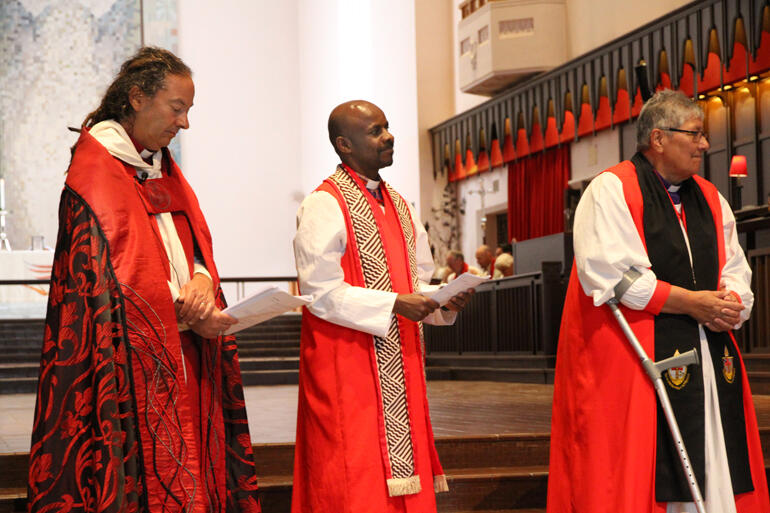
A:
[2,193]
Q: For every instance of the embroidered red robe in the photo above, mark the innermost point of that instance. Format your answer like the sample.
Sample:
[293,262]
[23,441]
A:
[122,422]
[340,448]
[603,432]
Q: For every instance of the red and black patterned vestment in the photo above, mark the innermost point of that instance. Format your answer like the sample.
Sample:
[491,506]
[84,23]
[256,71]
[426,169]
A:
[124,422]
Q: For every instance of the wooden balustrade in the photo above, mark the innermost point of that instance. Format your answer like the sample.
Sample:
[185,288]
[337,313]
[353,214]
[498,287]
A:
[520,314]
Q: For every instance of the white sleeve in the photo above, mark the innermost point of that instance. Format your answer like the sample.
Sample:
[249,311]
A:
[607,245]
[425,267]
[319,244]
[736,273]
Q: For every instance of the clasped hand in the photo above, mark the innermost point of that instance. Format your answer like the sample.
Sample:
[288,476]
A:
[197,308]
[718,310]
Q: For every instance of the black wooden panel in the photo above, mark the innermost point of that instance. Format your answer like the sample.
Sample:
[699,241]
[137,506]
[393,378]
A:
[759,322]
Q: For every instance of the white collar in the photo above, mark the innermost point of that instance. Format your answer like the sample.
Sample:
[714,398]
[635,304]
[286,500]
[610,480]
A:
[115,139]
[370,184]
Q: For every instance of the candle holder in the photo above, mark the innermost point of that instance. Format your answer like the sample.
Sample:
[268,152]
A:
[5,244]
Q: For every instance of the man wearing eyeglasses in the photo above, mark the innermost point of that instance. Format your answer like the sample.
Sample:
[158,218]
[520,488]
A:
[653,217]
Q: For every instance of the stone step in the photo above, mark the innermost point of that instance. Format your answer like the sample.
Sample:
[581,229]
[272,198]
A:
[267,344]
[28,357]
[18,385]
[524,375]
[268,337]
[259,330]
[523,361]
[19,370]
[277,363]
[270,377]
[267,352]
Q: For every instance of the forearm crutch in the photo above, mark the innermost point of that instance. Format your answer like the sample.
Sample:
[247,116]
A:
[654,371]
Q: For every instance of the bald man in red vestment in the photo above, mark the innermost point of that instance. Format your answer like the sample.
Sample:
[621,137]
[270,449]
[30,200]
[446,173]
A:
[364,437]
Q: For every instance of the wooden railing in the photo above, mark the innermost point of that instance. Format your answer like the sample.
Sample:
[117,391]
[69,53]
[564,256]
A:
[520,314]
[756,336]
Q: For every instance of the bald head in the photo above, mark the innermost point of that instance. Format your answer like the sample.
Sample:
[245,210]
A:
[358,130]
[484,256]
[343,118]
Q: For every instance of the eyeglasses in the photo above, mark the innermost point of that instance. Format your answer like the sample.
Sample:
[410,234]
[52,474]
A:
[696,135]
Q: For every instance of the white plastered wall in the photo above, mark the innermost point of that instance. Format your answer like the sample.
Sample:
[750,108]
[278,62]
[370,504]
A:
[267,75]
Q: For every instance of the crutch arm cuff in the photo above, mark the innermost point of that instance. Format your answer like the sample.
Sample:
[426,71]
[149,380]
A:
[659,297]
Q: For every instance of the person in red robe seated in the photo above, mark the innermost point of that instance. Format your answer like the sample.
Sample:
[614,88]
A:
[486,260]
[364,437]
[653,224]
[457,265]
[140,402]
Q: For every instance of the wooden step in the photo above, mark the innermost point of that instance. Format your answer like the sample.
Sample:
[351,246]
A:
[757,362]
[508,361]
[270,377]
[18,385]
[759,381]
[495,488]
[262,352]
[274,363]
[542,376]
[268,344]
[19,370]
[507,488]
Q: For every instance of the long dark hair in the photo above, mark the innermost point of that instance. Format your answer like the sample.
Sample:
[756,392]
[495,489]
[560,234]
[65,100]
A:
[147,70]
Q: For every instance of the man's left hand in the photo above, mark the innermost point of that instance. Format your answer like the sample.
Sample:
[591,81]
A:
[196,300]
[458,303]
[213,325]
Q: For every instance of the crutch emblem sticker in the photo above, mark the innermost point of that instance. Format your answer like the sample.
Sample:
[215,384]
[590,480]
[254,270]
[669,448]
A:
[728,367]
[677,377]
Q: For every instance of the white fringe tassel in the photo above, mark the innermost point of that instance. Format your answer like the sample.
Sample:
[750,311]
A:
[404,486]
[440,484]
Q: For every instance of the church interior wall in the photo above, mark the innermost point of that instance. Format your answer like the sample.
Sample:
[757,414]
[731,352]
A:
[241,153]
[283,79]
[592,23]
[476,205]
[590,156]
[267,75]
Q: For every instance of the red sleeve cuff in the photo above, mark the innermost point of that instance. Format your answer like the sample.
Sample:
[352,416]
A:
[736,296]
[659,297]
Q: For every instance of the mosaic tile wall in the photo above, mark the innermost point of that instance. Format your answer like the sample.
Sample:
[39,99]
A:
[56,59]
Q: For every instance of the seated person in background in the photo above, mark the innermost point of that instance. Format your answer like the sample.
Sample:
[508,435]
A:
[457,266]
[486,261]
[503,248]
[440,275]
[504,264]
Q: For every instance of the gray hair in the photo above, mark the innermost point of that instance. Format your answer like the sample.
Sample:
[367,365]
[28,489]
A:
[456,254]
[666,109]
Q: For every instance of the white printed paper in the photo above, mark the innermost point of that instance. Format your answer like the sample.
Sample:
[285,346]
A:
[262,306]
[460,284]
